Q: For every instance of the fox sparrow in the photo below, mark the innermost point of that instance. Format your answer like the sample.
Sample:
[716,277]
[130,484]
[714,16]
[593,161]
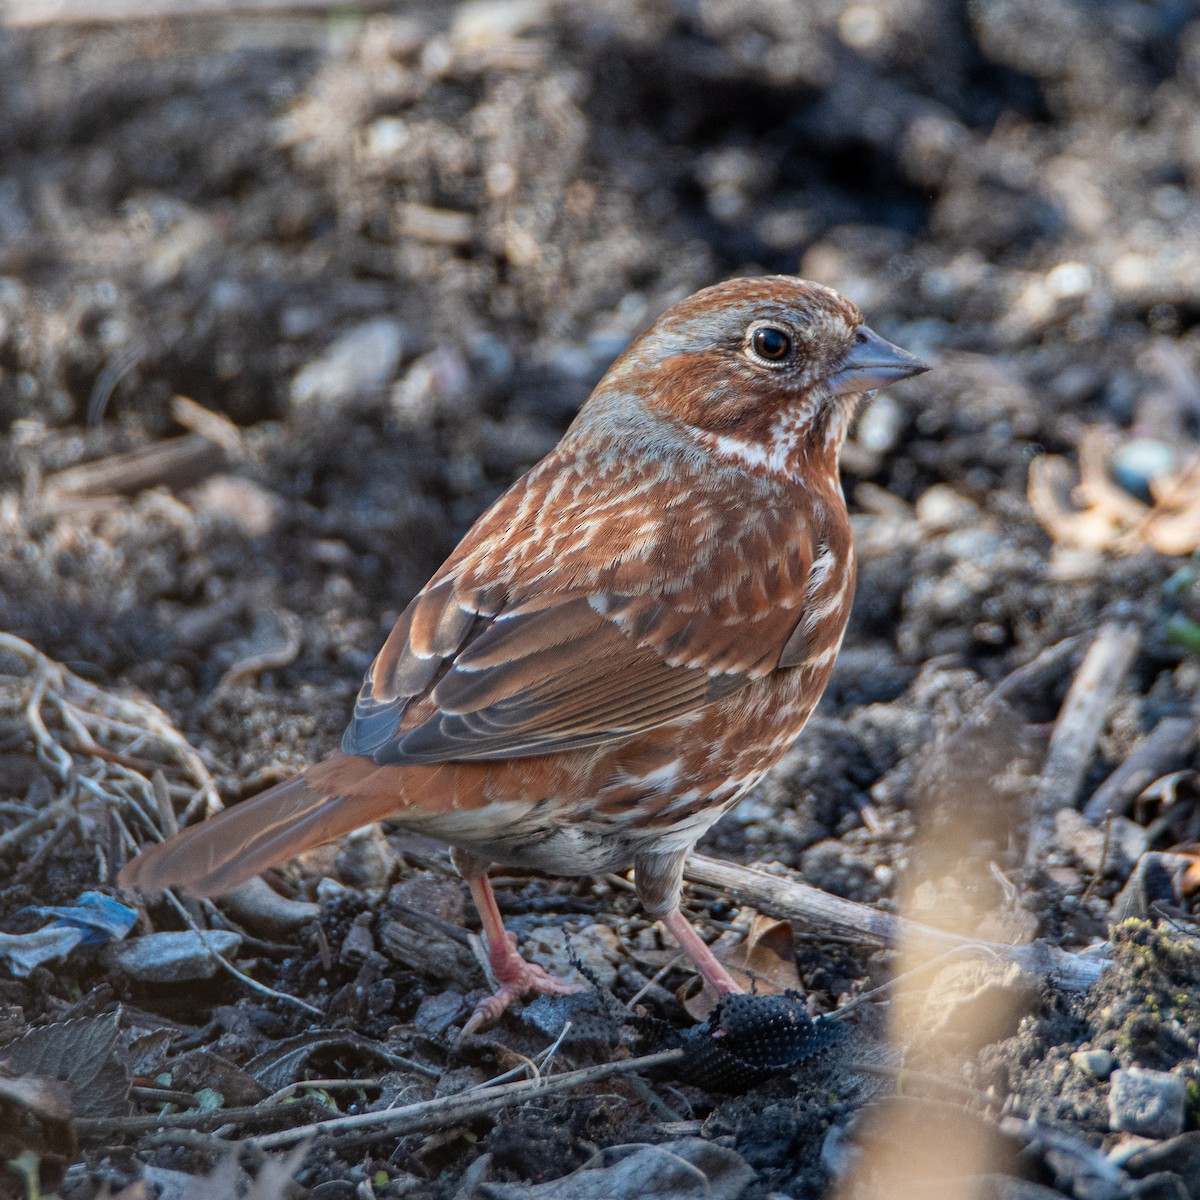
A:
[623,643]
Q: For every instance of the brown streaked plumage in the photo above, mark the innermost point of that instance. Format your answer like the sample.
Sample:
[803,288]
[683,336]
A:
[624,642]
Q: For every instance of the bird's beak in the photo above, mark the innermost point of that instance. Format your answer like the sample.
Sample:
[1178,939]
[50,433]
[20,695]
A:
[872,363]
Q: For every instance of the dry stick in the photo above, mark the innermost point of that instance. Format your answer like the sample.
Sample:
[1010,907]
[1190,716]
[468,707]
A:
[16,838]
[1166,746]
[176,462]
[1073,742]
[793,901]
[410,1118]
[94,1128]
[437,1114]
[117,713]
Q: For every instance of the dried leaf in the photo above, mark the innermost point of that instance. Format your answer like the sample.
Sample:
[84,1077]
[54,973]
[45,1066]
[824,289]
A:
[271,1183]
[46,1099]
[35,1125]
[284,1061]
[80,1053]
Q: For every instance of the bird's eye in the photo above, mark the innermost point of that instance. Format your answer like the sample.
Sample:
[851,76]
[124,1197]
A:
[771,344]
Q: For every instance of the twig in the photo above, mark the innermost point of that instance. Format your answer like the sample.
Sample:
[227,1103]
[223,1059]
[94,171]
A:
[322,1085]
[903,1075]
[1073,742]
[269,658]
[256,1115]
[16,837]
[1160,751]
[176,462]
[792,901]
[654,979]
[840,1014]
[446,1110]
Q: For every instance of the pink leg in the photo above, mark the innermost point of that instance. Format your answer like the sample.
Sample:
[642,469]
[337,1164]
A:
[678,926]
[516,978]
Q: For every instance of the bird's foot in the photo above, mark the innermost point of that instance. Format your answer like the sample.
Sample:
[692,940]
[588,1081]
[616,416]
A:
[517,979]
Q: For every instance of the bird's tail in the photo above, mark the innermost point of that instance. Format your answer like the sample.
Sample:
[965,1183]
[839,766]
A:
[226,850]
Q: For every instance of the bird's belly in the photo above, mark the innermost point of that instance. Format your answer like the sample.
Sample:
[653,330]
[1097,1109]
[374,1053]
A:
[556,846]
[655,794]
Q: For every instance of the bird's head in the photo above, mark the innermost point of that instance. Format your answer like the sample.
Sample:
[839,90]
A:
[767,371]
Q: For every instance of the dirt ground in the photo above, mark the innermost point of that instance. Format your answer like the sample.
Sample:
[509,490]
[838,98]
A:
[385,256]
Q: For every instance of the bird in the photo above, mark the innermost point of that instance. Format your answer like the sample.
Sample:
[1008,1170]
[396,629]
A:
[622,644]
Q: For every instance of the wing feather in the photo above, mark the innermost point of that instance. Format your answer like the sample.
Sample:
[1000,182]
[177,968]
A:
[500,657]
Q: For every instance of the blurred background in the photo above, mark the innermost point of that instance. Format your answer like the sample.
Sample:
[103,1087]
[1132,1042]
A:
[290,291]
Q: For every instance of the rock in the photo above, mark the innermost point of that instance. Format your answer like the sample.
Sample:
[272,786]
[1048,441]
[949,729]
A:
[358,944]
[436,1014]
[1086,842]
[941,508]
[366,859]
[246,505]
[595,947]
[1150,1103]
[973,1004]
[436,385]
[1099,1064]
[172,957]
[1143,461]
[1180,1156]
[358,363]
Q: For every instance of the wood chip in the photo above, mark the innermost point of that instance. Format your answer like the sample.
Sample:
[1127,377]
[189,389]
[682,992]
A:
[436,224]
[1161,751]
[1100,677]
[175,463]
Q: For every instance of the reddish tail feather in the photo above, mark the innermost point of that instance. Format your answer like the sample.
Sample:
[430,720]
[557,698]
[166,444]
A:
[242,841]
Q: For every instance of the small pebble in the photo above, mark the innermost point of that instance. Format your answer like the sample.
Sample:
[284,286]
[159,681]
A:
[1099,1064]
[356,364]
[1139,462]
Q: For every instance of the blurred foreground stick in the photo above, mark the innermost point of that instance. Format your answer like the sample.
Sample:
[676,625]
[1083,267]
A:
[105,12]
[792,901]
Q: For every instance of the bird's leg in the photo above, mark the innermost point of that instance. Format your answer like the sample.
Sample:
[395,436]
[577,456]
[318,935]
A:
[659,878]
[515,978]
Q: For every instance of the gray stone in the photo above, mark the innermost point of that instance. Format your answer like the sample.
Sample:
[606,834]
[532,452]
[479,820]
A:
[1150,1103]
[436,1014]
[1099,1064]
[1126,842]
[594,947]
[172,957]
[357,364]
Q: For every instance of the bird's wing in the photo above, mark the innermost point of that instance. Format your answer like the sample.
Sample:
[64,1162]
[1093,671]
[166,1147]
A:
[504,656]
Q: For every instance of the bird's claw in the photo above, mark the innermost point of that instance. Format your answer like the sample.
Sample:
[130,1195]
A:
[517,980]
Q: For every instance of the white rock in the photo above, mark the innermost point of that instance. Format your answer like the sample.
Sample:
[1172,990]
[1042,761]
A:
[357,364]
[1150,1103]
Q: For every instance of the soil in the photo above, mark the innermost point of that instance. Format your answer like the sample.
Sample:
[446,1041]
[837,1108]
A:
[393,253]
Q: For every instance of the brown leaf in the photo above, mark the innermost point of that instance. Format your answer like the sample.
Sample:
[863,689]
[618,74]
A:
[35,1117]
[46,1099]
